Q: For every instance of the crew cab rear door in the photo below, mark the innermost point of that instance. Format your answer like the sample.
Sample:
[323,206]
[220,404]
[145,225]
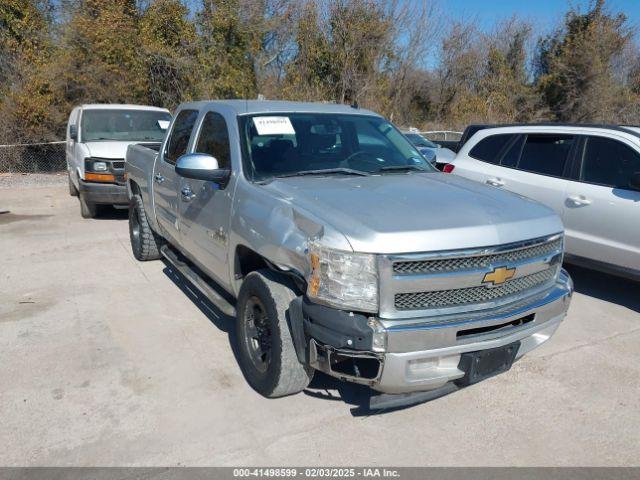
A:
[205,206]
[166,182]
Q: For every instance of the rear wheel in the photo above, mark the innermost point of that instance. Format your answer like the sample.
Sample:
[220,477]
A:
[267,355]
[145,244]
[87,209]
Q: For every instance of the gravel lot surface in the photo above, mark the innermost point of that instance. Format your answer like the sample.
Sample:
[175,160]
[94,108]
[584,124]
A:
[17,180]
[107,361]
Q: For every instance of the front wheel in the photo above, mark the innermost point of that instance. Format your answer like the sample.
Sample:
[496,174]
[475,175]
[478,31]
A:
[267,355]
[87,209]
[73,191]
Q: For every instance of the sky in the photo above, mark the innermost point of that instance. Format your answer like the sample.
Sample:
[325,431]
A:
[544,15]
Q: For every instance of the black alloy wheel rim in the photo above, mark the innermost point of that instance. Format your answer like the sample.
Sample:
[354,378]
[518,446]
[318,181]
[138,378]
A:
[257,334]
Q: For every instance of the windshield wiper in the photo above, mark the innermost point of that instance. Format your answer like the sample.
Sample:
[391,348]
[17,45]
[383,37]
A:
[325,171]
[403,168]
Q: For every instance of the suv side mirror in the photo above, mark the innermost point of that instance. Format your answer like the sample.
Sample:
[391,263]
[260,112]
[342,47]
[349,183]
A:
[634,181]
[200,166]
[73,133]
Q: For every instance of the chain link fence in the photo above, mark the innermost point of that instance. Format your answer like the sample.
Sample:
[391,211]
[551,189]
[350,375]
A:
[33,158]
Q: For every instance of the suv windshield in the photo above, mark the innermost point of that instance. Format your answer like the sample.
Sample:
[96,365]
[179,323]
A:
[290,144]
[123,125]
[419,141]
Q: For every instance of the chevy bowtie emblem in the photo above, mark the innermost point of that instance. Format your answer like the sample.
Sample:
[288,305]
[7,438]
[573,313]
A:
[499,275]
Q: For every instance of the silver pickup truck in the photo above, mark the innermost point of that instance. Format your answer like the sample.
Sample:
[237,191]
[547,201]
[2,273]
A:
[337,247]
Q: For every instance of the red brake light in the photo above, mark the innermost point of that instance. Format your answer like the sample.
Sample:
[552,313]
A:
[448,168]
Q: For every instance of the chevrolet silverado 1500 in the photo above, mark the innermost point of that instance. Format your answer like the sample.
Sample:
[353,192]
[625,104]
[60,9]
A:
[337,247]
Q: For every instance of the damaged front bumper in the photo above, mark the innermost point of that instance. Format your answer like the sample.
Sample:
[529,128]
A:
[419,355]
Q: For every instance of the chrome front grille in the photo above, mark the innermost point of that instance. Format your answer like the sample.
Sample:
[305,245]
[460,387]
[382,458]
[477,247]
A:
[466,296]
[442,265]
[454,281]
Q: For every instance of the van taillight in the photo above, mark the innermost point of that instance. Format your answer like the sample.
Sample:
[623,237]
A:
[448,168]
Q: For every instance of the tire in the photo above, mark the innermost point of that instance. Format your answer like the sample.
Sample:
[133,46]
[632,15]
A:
[73,191]
[278,372]
[87,209]
[145,244]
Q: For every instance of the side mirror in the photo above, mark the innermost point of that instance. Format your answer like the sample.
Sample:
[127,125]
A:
[73,133]
[200,166]
[634,181]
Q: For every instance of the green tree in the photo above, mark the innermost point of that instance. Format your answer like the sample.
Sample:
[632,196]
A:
[504,85]
[341,52]
[102,60]
[25,90]
[168,39]
[231,36]
[575,66]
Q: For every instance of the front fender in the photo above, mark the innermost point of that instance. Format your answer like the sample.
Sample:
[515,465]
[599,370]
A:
[277,230]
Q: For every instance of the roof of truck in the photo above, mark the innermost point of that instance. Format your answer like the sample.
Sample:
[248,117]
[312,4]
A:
[244,107]
[120,106]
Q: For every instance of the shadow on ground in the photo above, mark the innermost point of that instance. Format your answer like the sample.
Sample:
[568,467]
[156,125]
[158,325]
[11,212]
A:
[608,288]
[108,212]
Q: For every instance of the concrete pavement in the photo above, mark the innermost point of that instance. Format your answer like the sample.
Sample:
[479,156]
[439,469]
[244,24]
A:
[108,361]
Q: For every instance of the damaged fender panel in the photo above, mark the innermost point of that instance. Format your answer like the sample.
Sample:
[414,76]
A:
[277,230]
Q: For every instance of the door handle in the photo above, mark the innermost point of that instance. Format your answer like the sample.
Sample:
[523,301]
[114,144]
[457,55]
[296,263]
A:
[496,182]
[187,194]
[158,178]
[579,200]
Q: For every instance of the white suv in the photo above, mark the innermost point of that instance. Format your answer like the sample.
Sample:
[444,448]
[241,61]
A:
[589,174]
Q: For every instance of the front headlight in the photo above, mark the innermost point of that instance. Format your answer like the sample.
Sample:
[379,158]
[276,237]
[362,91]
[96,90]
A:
[92,165]
[341,279]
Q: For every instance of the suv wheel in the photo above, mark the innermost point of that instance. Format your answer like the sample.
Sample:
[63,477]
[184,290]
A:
[145,244]
[266,352]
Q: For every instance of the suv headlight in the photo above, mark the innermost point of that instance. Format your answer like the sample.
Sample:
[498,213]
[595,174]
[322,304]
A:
[343,279]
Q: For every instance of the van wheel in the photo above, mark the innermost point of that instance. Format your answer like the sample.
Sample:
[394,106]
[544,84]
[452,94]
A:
[73,191]
[87,209]
[145,244]
[267,355]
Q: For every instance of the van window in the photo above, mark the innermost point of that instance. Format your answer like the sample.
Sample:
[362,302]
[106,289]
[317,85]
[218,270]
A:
[106,124]
[180,134]
[214,139]
[546,154]
[488,149]
[609,162]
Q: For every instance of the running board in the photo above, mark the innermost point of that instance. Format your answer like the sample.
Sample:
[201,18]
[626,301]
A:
[198,282]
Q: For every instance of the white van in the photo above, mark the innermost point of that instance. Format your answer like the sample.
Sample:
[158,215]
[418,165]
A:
[97,139]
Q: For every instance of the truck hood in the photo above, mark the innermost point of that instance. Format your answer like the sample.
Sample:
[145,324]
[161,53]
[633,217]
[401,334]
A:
[109,149]
[417,212]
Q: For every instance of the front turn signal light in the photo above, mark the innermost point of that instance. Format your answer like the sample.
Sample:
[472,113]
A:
[99,177]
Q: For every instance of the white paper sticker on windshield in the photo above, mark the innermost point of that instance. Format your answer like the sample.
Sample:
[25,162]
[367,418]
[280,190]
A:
[163,124]
[273,126]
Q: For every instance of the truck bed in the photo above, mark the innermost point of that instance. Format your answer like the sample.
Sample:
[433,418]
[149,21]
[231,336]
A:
[139,165]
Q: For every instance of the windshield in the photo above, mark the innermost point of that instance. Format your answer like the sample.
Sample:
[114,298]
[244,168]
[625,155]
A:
[289,144]
[419,141]
[124,125]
